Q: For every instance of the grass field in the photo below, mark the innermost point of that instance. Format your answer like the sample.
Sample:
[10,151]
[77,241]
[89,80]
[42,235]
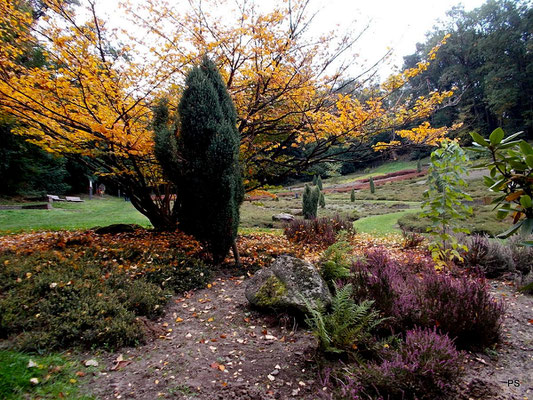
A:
[381,225]
[71,216]
[376,213]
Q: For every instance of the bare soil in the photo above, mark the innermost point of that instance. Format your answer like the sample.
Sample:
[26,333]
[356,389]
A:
[209,345]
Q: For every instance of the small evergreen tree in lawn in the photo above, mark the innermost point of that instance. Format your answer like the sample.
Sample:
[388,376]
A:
[322,200]
[210,184]
[319,182]
[310,202]
[419,165]
[372,186]
[315,179]
[352,195]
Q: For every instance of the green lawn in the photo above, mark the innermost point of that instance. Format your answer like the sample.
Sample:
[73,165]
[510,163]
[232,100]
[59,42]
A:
[71,216]
[382,224]
[24,376]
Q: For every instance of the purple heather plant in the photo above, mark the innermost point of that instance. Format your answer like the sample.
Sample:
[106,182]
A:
[425,366]
[416,294]
[318,230]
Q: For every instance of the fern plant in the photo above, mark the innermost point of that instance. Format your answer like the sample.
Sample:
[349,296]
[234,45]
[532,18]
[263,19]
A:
[336,260]
[348,328]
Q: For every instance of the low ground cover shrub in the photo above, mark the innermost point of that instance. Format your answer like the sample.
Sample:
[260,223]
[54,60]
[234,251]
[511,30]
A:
[74,297]
[460,306]
[318,230]
[490,256]
[425,365]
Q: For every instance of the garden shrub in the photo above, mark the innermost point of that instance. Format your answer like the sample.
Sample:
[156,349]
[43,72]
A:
[58,299]
[317,231]
[425,366]
[462,307]
[310,199]
[522,255]
[491,257]
[411,240]
[413,294]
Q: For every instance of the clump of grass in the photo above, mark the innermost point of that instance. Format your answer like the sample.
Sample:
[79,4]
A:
[52,377]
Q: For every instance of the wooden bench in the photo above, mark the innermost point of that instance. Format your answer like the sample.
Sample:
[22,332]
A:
[74,199]
[53,197]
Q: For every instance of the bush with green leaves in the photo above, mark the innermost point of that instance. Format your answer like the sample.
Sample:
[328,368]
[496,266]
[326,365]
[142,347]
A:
[348,328]
[511,173]
[210,183]
[445,200]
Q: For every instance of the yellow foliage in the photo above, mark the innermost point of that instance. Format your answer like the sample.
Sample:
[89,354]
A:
[92,101]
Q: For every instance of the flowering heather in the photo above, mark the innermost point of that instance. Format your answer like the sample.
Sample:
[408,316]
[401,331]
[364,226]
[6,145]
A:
[425,366]
[416,294]
[318,230]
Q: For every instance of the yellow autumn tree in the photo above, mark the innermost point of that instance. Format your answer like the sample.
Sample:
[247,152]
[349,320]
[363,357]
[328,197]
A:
[95,96]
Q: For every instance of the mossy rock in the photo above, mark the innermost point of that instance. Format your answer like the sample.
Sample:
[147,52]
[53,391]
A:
[285,284]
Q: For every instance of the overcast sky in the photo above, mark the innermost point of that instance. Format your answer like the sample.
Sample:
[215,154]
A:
[396,24]
[393,23]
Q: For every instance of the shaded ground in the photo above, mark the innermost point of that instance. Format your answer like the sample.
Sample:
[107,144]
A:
[209,345]
[506,372]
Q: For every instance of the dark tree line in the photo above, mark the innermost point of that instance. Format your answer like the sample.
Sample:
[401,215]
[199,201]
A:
[489,58]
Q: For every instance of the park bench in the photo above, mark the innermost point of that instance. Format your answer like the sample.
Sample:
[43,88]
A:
[53,197]
[74,199]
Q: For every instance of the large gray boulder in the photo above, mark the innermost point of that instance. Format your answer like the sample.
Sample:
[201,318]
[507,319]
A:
[282,286]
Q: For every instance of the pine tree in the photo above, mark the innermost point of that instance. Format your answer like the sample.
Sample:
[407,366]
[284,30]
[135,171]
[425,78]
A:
[210,184]
[372,186]
[352,195]
[419,166]
[322,201]
[319,182]
[314,180]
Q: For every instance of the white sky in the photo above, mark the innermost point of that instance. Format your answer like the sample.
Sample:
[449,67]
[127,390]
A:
[396,24]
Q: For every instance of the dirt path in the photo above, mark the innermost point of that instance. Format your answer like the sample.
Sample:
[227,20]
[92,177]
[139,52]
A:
[506,373]
[210,346]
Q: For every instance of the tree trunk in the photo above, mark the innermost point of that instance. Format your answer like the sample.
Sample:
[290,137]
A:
[236,253]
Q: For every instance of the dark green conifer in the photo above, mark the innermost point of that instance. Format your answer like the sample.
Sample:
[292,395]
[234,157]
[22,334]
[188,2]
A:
[310,202]
[210,184]
[322,200]
[352,195]
[319,182]
[372,186]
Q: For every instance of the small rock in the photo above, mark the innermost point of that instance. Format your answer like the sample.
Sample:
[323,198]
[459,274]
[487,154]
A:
[91,363]
[34,381]
[270,377]
[275,372]
[283,217]
[32,364]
